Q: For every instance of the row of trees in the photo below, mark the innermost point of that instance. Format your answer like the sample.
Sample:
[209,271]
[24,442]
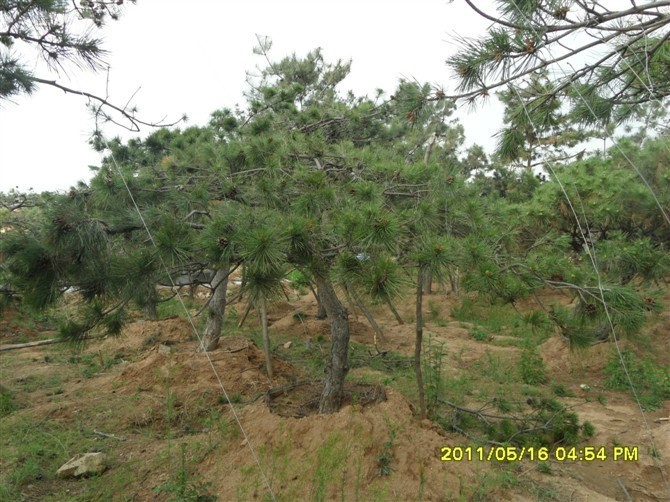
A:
[362,195]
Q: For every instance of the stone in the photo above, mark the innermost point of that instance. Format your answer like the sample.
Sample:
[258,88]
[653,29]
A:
[164,349]
[288,345]
[83,464]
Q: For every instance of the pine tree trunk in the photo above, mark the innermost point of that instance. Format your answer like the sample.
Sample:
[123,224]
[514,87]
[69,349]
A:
[321,312]
[394,311]
[217,310]
[368,315]
[246,313]
[419,341]
[338,365]
[427,280]
[151,309]
[266,336]
[151,305]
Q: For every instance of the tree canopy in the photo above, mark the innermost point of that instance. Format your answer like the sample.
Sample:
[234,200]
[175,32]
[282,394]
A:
[363,196]
[607,61]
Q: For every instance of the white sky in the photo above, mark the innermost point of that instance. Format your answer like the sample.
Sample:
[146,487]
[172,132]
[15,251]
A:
[191,57]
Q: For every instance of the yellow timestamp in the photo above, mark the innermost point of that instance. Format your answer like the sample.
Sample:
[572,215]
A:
[542,454]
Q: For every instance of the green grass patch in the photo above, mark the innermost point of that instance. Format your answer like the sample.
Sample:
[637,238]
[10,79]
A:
[651,382]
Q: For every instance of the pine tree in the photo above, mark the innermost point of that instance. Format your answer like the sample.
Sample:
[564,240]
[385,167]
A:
[606,75]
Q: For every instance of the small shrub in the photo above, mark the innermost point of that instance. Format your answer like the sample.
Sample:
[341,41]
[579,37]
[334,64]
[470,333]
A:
[588,429]
[386,456]
[185,487]
[531,367]
[560,391]
[479,334]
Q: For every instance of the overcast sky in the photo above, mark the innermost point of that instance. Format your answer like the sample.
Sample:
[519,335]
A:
[190,57]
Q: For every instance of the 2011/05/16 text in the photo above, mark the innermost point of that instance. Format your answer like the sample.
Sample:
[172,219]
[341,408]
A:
[518,453]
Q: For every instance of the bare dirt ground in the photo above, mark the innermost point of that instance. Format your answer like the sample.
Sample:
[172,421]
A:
[162,407]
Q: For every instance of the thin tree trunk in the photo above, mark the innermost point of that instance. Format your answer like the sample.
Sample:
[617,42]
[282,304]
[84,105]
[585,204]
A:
[151,310]
[419,341]
[246,313]
[266,336]
[321,313]
[368,315]
[338,364]
[395,312]
[150,307]
[217,310]
[427,280]
[454,280]
[351,302]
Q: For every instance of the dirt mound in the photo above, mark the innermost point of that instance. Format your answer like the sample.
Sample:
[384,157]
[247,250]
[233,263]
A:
[375,452]
[301,399]
[561,360]
[192,380]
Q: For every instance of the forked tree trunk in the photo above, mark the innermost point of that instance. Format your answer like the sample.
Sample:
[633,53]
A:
[338,364]
[419,341]
[217,310]
[321,312]
[262,307]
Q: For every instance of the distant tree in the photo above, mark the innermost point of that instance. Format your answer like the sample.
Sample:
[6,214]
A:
[593,231]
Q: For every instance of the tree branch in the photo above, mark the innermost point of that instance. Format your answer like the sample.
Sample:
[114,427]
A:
[135,123]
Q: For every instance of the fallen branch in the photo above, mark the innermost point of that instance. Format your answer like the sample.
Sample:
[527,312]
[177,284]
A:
[31,344]
[38,343]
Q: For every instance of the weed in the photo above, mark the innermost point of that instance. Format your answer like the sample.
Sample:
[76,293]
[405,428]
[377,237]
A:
[498,369]
[544,468]
[480,334]
[185,487]
[331,457]
[386,456]
[7,403]
[560,391]
[588,429]
[531,366]
[490,481]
